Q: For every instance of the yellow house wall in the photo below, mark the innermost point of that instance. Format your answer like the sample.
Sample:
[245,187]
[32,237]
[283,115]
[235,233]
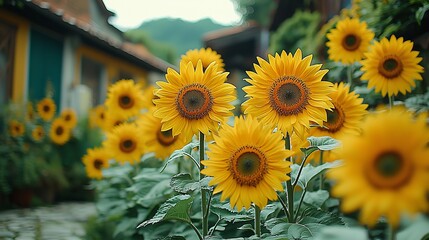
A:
[21,51]
[113,65]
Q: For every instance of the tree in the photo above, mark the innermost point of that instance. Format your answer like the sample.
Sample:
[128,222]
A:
[256,10]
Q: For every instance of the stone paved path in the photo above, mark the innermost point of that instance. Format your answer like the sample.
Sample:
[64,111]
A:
[64,221]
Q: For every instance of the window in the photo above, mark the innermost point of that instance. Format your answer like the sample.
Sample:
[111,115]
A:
[93,76]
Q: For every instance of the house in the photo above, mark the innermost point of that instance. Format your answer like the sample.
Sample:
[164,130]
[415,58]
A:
[66,48]
[238,47]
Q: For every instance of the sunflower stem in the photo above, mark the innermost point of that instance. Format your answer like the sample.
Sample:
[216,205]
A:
[196,231]
[205,222]
[390,101]
[289,188]
[350,75]
[285,209]
[257,221]
[391,235]
[321,175]
[300,201]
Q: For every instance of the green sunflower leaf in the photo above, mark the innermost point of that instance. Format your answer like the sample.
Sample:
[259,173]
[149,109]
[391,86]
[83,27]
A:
[280,228]
[340,233]
[417,229]
[225,212]
[309,150]
[175,208]
[310,172]
[324,143]
[317,198]
[183,183]
[420,13]
[185,151]
[312,214]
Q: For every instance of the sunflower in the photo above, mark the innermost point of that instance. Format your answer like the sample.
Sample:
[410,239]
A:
[69,116]
[95,160]
[59,133]
[37,133]
[385,168]
[349,41]
[162,143]
[46,109]
[391,66]
[247,162]
[124,143]
[194,100]
[288,92]
[112,120]
[347,114]
[206,55]
[97,116]
[16,128]
[125,98]
[148,97]
[30,112]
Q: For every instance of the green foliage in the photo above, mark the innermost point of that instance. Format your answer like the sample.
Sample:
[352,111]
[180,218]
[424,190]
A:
[399,17]
[169,38]
[175,208]
[256,10]
[340,233]
[297,32]
[162,50]
[183,183]
[418,103]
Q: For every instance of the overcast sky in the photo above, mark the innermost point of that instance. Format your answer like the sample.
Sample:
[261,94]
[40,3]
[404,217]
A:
[131,13]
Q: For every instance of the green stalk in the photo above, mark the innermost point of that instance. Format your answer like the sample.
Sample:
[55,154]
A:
[390,101]
[300,201]
[350,75]
[391,235]
[289,188]
[321,175]
[205,220]
[257,221]
[196,230]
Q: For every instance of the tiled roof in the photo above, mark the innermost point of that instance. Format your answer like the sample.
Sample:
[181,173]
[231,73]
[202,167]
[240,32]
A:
[81,24]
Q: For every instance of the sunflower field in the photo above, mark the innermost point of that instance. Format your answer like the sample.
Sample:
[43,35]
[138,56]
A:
[338,150]
[331,140]
[39,147]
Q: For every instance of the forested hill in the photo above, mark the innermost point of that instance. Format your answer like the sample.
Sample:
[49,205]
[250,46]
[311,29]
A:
[169,38]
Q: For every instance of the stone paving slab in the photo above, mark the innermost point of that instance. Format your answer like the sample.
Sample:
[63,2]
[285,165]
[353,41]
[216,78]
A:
[64,221]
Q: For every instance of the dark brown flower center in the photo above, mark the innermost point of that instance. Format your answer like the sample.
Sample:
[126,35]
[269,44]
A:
[390,170]
[194,101]
[59,130]
[98,164]
[288,95]
[165,138]
[335,120]
[67,117]
[390,67]
[102,115]
[127,145]
[248,166]
[46,108]
[351,42]
[126,102]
